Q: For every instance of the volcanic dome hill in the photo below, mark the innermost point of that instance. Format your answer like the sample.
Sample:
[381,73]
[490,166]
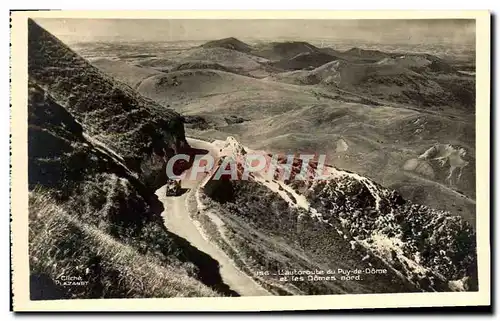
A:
[91,214]
[284,50]
[412,80]
[229,43]
[307,60]
[98,149]
[283,55]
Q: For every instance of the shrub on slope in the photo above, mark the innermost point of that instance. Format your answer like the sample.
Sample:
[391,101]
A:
[429,247]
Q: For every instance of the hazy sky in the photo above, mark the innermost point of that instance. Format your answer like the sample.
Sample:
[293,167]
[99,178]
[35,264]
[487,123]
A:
[384,31]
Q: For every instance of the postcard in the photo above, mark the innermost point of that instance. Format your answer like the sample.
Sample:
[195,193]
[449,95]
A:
[203,160]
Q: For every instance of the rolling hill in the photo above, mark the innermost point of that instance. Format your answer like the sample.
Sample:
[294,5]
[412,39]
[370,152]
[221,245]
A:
[380,138]
[228,43]
[124,72]
[304,61]
[414,81]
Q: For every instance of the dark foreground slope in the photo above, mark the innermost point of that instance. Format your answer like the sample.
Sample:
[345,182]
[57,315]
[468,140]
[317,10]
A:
[138,129]
[95,228]
[90,218]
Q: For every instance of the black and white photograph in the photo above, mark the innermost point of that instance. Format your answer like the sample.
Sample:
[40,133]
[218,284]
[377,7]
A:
[250,157]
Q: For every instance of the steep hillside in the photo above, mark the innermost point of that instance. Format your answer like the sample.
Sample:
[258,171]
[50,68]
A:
[308,60]
[92,219]
[365,54]
[418,62]
[143,132]
[344,222]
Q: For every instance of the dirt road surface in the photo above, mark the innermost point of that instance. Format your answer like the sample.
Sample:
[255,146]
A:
[178,221]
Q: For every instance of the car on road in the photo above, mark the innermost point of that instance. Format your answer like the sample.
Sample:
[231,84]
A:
[173,188]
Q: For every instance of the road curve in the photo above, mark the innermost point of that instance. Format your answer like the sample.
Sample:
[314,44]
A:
[178,221]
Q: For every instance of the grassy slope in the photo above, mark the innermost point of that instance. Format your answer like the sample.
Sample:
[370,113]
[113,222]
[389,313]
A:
[82,186]
[361,225]
[91,215]
[228,43]
[143,132]
[62,245]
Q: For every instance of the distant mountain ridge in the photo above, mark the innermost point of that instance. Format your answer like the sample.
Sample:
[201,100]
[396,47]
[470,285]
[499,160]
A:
[296,55]
[289,49]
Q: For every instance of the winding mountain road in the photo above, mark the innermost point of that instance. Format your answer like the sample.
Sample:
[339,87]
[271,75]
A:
[178,221]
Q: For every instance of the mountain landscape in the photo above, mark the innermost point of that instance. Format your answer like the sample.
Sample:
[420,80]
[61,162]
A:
[395,213]
[385,113]
[96,152]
